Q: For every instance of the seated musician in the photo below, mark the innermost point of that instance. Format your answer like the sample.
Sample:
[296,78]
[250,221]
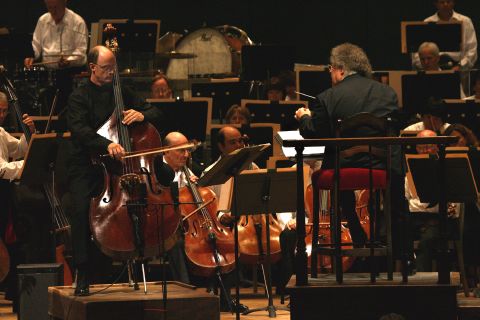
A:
[429,56]
[432,118]
[229,139]
[170,170]
[176,160]
[237,115]
[89,107]
[275,91]
[428,228]
[160,88]
[10,148]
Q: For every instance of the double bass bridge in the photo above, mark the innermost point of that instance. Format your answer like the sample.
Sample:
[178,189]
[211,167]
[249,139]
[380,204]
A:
[131,183]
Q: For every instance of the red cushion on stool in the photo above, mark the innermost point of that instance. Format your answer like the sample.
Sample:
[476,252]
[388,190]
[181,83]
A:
[350,179]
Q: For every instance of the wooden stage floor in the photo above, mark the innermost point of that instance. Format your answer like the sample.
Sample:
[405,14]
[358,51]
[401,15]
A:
[468,308]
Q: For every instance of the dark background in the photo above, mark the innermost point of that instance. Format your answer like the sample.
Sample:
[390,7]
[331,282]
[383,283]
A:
[312,26]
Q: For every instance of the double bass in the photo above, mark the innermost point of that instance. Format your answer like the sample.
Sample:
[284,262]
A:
[126,218]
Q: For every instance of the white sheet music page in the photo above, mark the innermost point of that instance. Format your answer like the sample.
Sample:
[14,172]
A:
[289,152]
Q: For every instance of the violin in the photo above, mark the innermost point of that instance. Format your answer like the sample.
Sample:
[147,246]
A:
[208,245]
[324,237]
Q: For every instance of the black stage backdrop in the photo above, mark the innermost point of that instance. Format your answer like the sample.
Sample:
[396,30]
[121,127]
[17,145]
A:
[312,26]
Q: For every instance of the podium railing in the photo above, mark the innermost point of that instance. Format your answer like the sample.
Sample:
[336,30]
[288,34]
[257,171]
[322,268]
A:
[299,145]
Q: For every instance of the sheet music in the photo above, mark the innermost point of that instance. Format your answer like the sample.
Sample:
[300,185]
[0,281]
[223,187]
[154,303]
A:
[289,152]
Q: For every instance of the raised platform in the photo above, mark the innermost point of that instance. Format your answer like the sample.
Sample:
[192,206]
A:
[121,302]
[357,298]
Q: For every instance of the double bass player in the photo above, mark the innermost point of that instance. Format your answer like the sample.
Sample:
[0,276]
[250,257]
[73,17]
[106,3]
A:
[89,107]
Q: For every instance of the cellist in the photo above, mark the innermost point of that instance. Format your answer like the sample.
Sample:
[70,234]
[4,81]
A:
[170,170]
[89,107]
[10,148]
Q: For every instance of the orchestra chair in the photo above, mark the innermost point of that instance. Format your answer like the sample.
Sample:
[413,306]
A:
[374,180]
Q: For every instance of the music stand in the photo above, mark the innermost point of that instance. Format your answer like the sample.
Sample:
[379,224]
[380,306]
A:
[268,192]
[274,111]
[190,116]
[418,87]
[227,167]
[461,187]
[447,35]
[264,61]
[38,166]
[223,94]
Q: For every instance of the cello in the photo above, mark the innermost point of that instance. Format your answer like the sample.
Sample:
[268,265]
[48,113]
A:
[209,246]
[252,238]
[324,237]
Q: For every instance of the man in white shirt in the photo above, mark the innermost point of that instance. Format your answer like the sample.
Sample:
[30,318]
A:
[60,36]
[229,139]
[467,57]
[10,148]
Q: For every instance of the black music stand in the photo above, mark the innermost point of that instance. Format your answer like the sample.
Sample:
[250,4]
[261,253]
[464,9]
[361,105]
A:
[418,88]
[264,61]
[38,166]
[230,166]
[268,192]
[280,112]
[461,187]
[447,36]
[223,94]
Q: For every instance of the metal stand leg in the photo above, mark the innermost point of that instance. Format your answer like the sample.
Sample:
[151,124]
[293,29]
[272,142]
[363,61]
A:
[271,308]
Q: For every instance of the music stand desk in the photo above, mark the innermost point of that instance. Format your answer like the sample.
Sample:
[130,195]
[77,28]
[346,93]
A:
[39,158]
[299,145]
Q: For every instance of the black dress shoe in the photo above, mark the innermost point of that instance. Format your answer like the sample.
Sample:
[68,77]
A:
[82,288]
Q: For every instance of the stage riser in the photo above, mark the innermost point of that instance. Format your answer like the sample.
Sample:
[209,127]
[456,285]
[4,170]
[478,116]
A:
[371,302]
[123,303]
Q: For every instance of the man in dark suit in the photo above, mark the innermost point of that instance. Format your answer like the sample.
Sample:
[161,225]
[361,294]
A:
[89,108]
[353,91]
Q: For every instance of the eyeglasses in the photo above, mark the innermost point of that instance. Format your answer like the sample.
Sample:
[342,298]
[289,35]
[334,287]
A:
[106,67]
[331,68]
